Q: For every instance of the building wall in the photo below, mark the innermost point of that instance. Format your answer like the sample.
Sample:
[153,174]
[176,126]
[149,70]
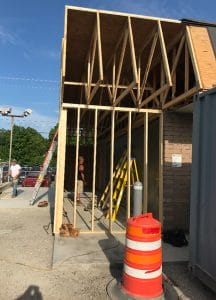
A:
[177,175]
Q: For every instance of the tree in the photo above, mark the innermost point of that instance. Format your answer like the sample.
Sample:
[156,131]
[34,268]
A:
[28,147]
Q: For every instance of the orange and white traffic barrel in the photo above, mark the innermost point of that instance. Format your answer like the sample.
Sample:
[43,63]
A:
[142,276]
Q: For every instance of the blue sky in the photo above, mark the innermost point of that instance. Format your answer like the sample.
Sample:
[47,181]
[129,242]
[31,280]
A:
[30,45]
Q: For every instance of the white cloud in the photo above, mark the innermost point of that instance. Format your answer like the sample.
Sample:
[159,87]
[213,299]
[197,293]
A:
[7,37]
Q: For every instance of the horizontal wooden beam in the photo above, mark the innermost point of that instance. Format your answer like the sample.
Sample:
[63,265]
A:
[110,108]
[103,85]
[106,12]
[181,97]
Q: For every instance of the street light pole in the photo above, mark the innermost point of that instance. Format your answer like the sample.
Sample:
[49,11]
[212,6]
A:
[6,112]
[11,142]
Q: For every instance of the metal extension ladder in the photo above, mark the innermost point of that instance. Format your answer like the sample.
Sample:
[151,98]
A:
[46,163]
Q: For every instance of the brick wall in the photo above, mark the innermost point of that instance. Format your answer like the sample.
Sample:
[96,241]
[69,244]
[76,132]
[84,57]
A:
[177,140]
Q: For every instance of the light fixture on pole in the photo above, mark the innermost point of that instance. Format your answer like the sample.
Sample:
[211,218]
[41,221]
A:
[6,112]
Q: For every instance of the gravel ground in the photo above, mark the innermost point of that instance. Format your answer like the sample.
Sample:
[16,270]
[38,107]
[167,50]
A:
[25,262]
[26,265]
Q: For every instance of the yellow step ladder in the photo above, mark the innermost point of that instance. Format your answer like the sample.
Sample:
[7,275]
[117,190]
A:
[119,184]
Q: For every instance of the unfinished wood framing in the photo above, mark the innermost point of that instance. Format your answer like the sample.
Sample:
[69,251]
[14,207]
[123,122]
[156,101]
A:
[76,166]
[145,167]
[119,72]
[59,188]
[161,168]
[94,167]
[121,64]
[128,165]
[111,168]
[77,112]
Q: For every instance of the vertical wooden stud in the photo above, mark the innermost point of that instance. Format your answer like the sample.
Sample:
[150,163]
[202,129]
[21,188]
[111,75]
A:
[111,168]
[60,173]
[76,166]
[161,168]
[129,165]
[94,167]
[145,177]
[186,84]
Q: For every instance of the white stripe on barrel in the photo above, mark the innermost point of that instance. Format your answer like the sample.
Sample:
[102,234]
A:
[143,246]
[142,274]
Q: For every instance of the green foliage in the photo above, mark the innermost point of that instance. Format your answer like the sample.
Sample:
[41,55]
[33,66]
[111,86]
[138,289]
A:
[29,147]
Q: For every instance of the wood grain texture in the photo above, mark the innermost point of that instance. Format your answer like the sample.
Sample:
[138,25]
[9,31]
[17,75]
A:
[204,55]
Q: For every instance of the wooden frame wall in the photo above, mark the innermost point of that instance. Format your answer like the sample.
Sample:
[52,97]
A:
[61,158]
[109,66]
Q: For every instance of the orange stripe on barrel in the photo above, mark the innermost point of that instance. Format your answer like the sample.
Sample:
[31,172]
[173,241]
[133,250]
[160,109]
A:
[146,258]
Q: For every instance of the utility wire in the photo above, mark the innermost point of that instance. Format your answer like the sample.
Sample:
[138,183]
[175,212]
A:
[28,79]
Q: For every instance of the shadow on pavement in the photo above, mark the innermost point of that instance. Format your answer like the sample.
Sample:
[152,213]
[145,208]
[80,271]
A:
[32,293]
[41,197]
[114,253]
[19,191]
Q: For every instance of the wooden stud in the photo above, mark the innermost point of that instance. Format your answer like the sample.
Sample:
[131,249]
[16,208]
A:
[120,64]
[173,76]
[179,51]
[125,92]
[76,166]
[63,62]
[64,44]
[132,48]
[162,82]
[181,97]
[139,81]
[128,165]
[92,57]
[88,79]
[164,55]
[161,168]
[100,59]
[111,168]
[94,91]
[134,97]
[110,95]
[60,173]
[148,39]
[154,95]
[94,168]
[145,177]
[169,46]
[174,66]
[186,83]
[155,38]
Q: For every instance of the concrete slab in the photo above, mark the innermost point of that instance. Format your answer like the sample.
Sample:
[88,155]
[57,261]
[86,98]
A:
[89,249]
[103,249]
